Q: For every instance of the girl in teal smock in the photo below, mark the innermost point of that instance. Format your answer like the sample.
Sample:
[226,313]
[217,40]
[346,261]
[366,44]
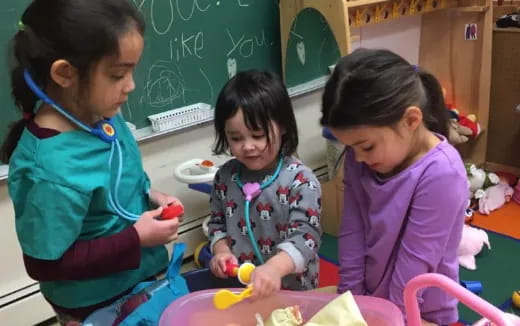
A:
[82,54]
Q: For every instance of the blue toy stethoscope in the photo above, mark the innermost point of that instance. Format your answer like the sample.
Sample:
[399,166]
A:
[251,190]
[104,130]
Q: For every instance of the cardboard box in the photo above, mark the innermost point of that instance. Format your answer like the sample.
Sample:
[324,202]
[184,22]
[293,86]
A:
[332,203]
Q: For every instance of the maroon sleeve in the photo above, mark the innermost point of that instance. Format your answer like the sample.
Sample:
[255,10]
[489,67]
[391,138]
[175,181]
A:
[87,259]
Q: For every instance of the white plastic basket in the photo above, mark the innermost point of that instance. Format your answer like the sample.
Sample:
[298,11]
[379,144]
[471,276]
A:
[182,117]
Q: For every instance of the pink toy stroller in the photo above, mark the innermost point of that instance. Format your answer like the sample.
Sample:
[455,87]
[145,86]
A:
[197,308]
[493,315]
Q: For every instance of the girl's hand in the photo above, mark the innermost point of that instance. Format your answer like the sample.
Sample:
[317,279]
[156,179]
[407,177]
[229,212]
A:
[427,323]
[217,264]
[164,200]
[154,232]
[266,280]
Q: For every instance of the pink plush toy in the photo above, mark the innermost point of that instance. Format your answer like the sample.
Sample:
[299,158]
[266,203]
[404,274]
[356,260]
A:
[471,244]
[516,194]
[495,197]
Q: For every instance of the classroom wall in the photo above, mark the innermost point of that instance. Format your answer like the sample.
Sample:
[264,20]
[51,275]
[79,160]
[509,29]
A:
[160,156]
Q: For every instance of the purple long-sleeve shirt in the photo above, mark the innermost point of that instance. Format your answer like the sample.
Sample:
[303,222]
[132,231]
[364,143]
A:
[403,226]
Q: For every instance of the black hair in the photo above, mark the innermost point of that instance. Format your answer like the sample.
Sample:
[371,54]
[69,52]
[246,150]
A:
[375,87]
[262,96]
[79,31]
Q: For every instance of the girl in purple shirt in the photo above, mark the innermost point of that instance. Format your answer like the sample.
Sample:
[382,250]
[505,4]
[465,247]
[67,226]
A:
[405,186]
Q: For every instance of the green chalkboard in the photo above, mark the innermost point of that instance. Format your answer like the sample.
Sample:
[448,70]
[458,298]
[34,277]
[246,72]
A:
[192,47]
[311,48]
[10,13]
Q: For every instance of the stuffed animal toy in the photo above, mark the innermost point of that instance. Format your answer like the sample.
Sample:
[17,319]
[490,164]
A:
[471,244]
[479,179]
[471,127]
[470,122]
[458,134]
[516,194]
[508,177]
[495,197]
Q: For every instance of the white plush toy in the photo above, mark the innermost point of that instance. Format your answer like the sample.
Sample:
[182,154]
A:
[479,179]
[471,244]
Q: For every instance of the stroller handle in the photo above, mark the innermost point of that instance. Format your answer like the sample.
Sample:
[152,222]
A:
[470,299]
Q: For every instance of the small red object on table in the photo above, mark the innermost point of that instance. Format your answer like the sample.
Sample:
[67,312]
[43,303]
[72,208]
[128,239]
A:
[172,212]
[231,269]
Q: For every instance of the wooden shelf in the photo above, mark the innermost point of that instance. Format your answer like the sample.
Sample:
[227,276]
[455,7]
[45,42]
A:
[473,9]
[506,30]
[361,3]
[462,66]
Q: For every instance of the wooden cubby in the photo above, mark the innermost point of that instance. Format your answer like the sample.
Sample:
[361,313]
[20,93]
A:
[462,66]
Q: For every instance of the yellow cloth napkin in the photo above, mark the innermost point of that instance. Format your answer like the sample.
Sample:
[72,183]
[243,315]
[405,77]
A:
[341,311]
[289,316]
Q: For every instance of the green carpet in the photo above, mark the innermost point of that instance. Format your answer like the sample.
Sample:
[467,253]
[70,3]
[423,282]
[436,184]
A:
[329,248]
[495,269]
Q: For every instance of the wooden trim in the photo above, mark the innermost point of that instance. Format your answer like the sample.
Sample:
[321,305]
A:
[506,30]
[501,167]
[359,3]
[334,12]
[473,9]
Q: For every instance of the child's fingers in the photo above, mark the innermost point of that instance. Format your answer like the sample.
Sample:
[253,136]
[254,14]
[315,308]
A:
[258,287]
[172,225]
[234,260]
[174,201]
[217,269]
[173,237]
[222,266]
[154,213]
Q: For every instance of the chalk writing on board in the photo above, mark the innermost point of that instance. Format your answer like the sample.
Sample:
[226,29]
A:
[211,88]
[165,84]
[184,46]
[185,12]
[195,6]
[300,45]
[170,21]
[127,108]
[242,3]
[293,29]
[245,45]
[139,3]
[231,67]
[300,50]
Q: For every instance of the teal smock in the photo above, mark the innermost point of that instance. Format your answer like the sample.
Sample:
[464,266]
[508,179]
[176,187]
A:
[59,187]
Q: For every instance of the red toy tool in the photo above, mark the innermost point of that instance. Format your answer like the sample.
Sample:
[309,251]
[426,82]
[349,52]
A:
[231,269]
[172,212]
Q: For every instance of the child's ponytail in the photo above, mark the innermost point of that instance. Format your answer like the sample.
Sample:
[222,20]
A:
[436,115]
[80,31]
[25,100]
[375,87]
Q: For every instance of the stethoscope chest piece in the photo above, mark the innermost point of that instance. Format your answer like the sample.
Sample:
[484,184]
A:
[105,130]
